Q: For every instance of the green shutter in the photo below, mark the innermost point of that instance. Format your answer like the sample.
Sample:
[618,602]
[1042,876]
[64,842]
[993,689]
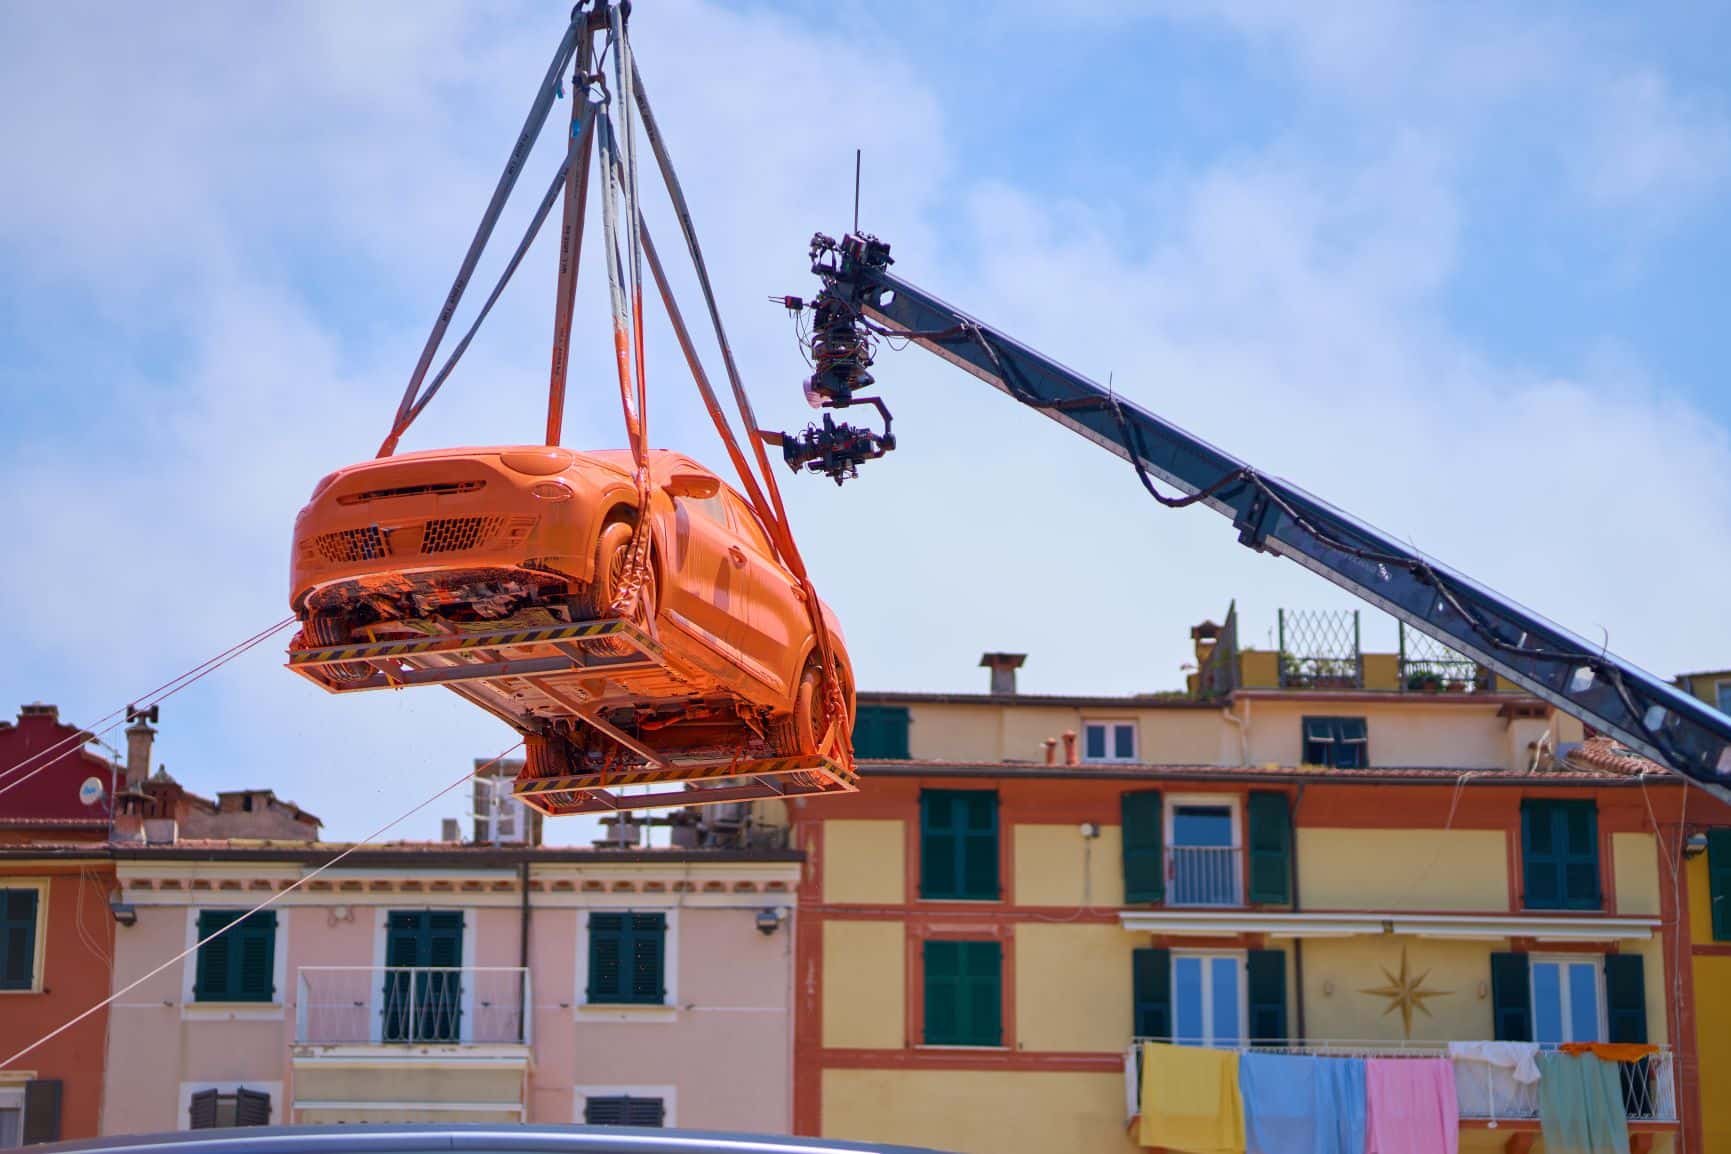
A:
[253,957]
[1560,854]
[1144,856]
[881,732]
[1719,882]
[17,939]
[1151,993]
[648,958]
[1625,998]
[1511,998]
[627,958]
[1270,848]
[215,965]
[41,1111]
[959,844]
[1265,975]
[963,993]
[606,958]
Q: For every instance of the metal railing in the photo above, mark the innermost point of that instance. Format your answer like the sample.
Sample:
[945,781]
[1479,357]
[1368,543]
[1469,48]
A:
[1429,666]
[1202,876]
[411,1004]
[1482,1091]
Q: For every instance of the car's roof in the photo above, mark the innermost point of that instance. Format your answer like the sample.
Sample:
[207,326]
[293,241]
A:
[406,1138]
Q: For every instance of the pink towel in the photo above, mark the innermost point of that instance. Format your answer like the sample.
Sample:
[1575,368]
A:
[1410,1106]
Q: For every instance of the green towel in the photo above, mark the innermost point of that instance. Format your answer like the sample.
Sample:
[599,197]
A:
[1581,1105]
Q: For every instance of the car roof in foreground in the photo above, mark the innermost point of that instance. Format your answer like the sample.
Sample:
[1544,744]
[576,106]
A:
[408,1138]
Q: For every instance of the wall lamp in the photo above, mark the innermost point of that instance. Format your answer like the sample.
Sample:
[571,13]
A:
[769,919]
[1695,845]
[124,913]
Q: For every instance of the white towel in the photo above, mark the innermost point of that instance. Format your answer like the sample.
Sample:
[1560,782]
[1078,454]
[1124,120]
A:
[1521,1057]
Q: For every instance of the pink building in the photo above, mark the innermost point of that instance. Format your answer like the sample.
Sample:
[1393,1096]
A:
[450,982]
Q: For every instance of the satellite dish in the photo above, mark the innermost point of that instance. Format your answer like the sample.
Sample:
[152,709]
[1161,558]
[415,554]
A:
[91,791]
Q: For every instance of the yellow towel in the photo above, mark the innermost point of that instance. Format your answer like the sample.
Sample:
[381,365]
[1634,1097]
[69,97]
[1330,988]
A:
[1190,1100]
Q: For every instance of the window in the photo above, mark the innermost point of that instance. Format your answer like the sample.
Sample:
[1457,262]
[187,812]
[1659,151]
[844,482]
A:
[959,844]
[1560,854]
[240,965]
[11,1117]
[30,1113]
[1722,696]
[964,993]
[881,731]
[1340,742]
[1566,1000]
[624,1110]
[1719,882]
[1109,741]
[212,1109]
[20,909]
[1207,999]
[627,959]
[1204,858]
[747,523]
[423,996]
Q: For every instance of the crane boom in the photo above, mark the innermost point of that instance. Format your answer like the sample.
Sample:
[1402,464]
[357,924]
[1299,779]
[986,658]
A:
[862,299]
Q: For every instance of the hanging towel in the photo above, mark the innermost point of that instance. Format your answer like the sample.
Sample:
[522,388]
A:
[1496,1079]
[1190,1100]
[1520,1057]
[1581,1105]
[1410,1106]
[1295,1105]
[1611,1051]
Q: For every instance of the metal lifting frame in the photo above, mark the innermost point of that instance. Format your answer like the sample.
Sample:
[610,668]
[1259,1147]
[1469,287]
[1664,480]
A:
[1608,693]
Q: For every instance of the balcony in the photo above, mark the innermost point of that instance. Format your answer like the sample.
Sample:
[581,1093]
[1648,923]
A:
[1485,1094]
[409,1005]
[1203,876]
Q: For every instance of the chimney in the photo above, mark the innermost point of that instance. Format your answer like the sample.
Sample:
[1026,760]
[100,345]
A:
[1070,747]
[1204,637]
[1051,744]
[1003,667]
[450,830]
[139,736]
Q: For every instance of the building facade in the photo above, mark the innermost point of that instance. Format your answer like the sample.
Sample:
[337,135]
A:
[438,982]
[1368,854]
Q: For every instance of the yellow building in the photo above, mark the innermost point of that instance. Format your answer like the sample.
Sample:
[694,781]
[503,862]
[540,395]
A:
[1326,853]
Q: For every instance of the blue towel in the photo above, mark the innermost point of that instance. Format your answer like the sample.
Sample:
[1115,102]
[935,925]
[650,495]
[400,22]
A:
[1581,1105]
[1300,1105]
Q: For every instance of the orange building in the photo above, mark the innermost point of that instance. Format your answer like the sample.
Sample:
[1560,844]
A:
[56,927]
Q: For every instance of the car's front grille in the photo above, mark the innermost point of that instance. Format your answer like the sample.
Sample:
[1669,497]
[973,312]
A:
[347,546]
[455,534]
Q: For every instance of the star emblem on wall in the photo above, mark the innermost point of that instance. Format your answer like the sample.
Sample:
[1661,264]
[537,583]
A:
[1405,993]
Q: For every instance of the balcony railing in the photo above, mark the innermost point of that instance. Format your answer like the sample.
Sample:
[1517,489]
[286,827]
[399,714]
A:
[1483,1091]
[381,1005]
[1202,876]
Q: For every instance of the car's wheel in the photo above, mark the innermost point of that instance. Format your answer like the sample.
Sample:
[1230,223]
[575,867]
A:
[612,549]
[800,731]
[326,629]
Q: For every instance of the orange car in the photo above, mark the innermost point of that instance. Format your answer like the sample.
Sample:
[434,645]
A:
[493,571]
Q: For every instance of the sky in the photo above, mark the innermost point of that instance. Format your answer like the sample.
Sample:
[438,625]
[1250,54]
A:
[1458,269]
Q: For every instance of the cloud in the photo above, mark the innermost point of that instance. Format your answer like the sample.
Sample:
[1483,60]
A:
[1653,149]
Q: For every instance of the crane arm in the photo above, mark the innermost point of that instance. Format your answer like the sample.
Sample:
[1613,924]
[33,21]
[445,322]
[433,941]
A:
[861,299]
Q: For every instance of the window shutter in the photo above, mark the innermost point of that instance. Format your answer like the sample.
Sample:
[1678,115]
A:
[648,958]
[644,1112]
[606,957]
[1151,986]
[215,966]
[1270,848]
[881,731]
[1719,882]
[939,875]
[1144,857]
[1625,998]
[41,1111]
[1511,998]
[624,1111]
[17,939]
[444,938]
[1540,881]
[1265,975]
[1579,834]
[251,1108]
[943,966]
[959,844]
[983,964]
[254,948]
[979,864]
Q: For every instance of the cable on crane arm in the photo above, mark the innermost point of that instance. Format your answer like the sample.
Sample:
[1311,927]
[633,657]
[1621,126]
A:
[538,109]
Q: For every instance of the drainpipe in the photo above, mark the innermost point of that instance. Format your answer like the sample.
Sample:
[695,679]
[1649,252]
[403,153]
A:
[1231,714]
[523,951]
[1298,942]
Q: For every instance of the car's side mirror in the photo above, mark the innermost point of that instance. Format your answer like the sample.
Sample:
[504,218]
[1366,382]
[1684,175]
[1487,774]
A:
[698,486]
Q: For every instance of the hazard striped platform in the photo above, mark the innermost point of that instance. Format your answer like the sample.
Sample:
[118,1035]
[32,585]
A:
[458,657]
[688,785]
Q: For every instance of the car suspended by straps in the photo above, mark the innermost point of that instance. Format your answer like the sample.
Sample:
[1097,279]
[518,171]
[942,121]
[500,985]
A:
[502,573]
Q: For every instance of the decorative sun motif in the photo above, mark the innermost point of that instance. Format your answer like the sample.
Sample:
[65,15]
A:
[1405,993]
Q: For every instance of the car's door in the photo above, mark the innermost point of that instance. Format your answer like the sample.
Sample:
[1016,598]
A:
[776,622]
[707,574]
